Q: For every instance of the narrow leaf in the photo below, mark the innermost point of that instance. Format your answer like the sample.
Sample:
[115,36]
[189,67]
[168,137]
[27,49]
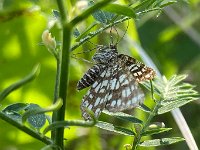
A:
[20,83]
[160,142]
[164,4]
[155,131]
[116,129]
[84,33]
[120,10]
[144,108]
[123,116]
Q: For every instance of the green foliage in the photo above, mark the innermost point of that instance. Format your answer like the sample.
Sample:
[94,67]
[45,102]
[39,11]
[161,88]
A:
[161,142]
[166,94]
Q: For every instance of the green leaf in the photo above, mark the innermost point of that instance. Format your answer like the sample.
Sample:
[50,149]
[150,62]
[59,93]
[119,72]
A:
[144,108]
[155,131]
[36,120]
[102,16]
[123,116]
[61,124]
[175,104]
[20,83]
[120,10]
[89,11]
[160,142]
[173,92]
[147,85]
[13,110]
[15,107]
[39,110]
[116,129]
[167,3]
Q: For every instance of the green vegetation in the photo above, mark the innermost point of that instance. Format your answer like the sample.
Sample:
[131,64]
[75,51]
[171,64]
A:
[42,109]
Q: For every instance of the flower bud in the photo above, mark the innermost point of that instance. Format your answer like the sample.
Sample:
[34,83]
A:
[156,125]
[48,41]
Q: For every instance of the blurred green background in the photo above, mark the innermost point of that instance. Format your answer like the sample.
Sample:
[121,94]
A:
[171,39]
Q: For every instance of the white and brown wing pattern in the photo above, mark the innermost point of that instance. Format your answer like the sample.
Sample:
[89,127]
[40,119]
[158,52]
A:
[90,76]
[139,70]
[96,97]
[124,91]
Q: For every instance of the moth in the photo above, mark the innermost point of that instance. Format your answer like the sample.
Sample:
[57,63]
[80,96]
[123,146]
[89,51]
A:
[114,82]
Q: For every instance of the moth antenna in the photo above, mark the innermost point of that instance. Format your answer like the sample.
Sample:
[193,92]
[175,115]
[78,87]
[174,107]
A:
[92,43]
[90,50]
[124,33]
[111,35]
[117,36]
[82,59]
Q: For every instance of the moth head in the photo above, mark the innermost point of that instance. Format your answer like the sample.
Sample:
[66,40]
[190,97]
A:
[105,54]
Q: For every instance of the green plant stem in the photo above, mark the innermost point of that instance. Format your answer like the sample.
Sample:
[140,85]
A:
[62,76]
[25,129]
[138,136]
[62,81]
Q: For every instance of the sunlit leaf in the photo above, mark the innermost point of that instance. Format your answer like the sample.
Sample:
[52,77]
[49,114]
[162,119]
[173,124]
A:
[167,3]
[155,131]
[116,129]
[120,10]
[160,142]
[175,104]
[123,116]
[173,92]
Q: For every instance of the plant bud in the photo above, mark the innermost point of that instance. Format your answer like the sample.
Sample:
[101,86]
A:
[156,125]
[48,41]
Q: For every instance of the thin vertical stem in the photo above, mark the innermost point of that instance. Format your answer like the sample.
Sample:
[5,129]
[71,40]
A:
[144,128]
[61,86]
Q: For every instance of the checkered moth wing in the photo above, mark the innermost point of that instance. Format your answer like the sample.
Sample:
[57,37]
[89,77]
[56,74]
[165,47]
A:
[124,92]
[95,99]
[139,70]
[90,76]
